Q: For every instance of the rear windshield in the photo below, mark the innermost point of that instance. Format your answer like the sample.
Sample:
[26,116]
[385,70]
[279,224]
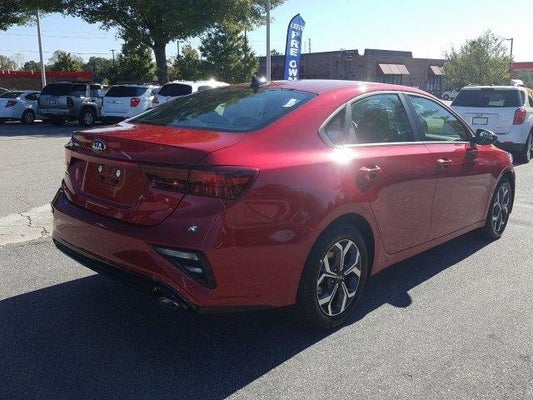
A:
[175,89]
[57,89]
[232,109]
[10,95]
[126,91]
[489,97]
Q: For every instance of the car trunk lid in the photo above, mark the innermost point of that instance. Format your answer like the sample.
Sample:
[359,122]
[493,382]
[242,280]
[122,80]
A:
[109,170]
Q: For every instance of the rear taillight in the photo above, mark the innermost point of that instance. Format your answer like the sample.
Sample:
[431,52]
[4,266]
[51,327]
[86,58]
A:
[11,103]
[222,182]
[519,116]
[70,102]
[134,102]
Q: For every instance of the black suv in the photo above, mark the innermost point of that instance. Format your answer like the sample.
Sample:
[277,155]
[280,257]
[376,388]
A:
[71,101]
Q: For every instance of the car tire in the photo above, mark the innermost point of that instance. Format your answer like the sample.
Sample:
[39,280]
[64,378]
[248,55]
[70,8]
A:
[333,277]
[525,155]
[28,117]
[499,210]
[87,117]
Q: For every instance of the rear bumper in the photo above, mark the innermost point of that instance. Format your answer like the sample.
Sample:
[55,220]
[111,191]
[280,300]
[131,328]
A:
[138,281]
[248,272]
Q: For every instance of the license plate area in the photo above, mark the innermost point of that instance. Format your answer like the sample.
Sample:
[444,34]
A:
[480,121]
[118,183]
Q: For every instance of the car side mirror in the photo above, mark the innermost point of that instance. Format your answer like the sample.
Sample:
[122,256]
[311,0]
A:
[484,137]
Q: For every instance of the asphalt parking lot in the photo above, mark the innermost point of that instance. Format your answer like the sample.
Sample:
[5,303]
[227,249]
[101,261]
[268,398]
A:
[455,322]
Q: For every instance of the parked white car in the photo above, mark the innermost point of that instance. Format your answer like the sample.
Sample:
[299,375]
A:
[175,89]
[19,106]
[127,100]
[505,110]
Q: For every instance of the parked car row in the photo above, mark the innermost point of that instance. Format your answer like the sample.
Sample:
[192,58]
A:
[87,102]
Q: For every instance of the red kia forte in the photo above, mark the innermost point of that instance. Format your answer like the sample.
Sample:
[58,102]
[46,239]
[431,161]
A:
[287,193]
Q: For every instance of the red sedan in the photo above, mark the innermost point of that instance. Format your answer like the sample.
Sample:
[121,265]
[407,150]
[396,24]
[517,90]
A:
[277,194]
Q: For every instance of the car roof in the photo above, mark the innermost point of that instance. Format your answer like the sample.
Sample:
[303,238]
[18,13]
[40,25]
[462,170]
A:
[477,87]
[320,86]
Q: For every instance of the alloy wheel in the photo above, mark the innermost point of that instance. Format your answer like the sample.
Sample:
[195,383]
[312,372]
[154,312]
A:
[339,277]
[500,208]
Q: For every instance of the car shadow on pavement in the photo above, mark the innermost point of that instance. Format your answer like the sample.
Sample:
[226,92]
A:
[93,338]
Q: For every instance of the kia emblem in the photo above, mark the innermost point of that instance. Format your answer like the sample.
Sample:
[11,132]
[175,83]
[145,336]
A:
[98,145]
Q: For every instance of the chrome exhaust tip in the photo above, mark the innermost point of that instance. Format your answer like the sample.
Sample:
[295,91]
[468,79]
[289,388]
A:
[169,303]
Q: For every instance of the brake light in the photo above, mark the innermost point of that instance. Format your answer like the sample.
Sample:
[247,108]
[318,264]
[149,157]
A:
[70,102]
[519,116]
[134,102]
[222,182]
[11,103]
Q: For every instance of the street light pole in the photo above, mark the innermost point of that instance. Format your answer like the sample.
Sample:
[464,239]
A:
[511,58]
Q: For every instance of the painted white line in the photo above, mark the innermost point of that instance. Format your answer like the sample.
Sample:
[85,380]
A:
[32,224]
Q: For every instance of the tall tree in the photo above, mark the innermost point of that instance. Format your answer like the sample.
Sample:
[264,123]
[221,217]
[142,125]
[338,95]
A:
[7,63]
[134,64]
[31,66]
[63,61]
[20,12]
[102,68]
[156,23]
[227,54]
[188,65]
[484,61]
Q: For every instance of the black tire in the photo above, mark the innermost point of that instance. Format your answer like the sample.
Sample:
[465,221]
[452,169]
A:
[327,294]
[87,117]
[525,155]
[500,208]
[28,117]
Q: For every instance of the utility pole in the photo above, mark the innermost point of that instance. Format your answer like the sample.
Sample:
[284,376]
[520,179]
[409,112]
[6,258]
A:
[43,72]
[511,58]
[309,46]
[113,54]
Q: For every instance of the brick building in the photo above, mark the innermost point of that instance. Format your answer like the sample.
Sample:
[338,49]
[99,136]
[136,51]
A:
[374,65]
[31,80]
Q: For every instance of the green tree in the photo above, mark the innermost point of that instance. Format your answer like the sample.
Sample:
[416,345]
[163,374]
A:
[7,63]
[525,76]
[134,64]
[156,23]
[20,12]
[31,66]
[63,61]
[188,65]
[483,61]
[102,68]
[228,55]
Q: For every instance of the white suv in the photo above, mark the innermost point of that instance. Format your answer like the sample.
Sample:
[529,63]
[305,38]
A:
[127,100]
[505,110]
[182,88]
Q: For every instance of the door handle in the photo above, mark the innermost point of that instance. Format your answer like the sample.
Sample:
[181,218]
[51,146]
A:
[444,163]
[370,173]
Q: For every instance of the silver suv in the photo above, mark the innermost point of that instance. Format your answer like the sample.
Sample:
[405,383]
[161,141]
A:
[71,101]
[506,110]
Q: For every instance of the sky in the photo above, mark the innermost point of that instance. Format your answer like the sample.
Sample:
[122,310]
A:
[426,28]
